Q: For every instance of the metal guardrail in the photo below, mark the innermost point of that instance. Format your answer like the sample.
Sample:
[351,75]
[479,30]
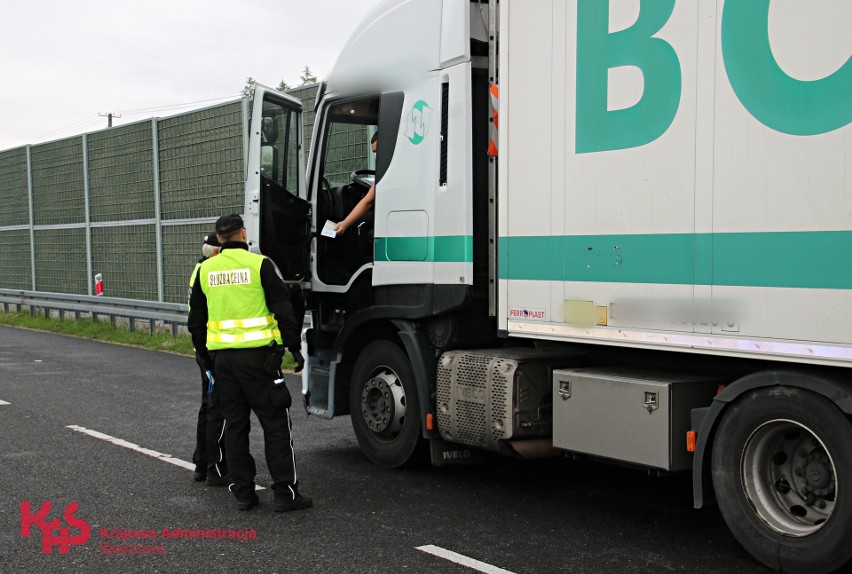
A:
[173,314]
[153,312]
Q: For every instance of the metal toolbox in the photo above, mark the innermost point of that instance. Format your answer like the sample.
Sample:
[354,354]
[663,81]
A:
[631,416]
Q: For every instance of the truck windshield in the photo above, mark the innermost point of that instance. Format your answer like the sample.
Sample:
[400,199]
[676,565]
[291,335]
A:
[279,146]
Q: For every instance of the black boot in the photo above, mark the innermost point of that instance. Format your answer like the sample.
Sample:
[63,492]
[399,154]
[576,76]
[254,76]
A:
[217,475]
[288,498]
[246,496]
[248,503]
[200,473]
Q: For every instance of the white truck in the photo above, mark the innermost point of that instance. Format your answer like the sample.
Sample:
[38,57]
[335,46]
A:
[654,268]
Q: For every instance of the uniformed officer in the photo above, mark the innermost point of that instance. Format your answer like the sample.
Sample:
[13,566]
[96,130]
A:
[241,313]
[209,455]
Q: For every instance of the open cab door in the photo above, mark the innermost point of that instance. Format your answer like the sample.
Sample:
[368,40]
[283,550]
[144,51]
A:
[278,215]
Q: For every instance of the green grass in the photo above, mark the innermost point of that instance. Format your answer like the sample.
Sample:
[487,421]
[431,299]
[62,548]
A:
[104,331]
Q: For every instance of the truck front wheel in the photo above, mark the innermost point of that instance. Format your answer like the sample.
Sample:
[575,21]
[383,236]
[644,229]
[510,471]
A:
[782,473]
[384,405]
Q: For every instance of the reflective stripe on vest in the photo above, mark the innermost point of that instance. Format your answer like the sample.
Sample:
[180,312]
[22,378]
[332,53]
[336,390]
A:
[243,337]
[241,323]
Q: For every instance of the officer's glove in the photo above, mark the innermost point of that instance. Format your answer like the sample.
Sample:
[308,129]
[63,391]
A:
[204,360]
[300,360]
[272,365]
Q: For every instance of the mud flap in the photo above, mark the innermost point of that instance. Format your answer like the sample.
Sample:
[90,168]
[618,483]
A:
[444,453]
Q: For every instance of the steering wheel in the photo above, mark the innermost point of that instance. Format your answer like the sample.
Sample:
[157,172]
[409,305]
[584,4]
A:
[363,178]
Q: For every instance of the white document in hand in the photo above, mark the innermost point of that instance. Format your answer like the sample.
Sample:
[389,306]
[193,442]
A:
[329,229]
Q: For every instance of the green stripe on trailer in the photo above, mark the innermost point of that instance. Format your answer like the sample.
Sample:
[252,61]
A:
[806,259]
[432,249]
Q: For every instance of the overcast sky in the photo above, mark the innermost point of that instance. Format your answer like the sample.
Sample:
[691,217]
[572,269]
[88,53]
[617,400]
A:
[64,62]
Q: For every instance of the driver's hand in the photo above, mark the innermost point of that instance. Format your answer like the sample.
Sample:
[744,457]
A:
[340,228]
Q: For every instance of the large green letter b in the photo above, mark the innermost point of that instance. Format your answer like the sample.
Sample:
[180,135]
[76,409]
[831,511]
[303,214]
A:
[598,128]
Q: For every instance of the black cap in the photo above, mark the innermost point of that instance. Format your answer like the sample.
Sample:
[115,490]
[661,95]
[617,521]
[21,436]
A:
[212,240]
[227,224]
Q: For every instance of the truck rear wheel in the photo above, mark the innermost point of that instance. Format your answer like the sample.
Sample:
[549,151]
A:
[782,473]
[384,405]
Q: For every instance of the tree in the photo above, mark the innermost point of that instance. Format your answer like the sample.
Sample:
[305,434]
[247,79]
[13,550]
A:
[283,86]
[307,77]
[248,90]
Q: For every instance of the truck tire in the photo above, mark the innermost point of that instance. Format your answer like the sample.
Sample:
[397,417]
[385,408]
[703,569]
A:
[384,405]
[782,473]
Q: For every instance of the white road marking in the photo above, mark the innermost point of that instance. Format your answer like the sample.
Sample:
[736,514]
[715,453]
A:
[4,403]
[153,453]
[117,441]
[462,560]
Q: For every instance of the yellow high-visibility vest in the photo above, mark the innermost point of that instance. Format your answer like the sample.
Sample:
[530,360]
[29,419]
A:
[237,315]
[191,283]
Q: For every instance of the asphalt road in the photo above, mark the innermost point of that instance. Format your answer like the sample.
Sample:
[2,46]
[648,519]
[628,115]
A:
[548,516]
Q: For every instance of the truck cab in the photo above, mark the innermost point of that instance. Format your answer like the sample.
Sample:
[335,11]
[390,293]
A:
[411,279]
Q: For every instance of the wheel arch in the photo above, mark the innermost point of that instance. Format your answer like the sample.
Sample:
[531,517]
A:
[834,386]
[358,334]
[425,366]
[348,345]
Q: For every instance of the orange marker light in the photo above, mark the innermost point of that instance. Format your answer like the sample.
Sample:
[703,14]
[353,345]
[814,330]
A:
[429,422]
[691,437]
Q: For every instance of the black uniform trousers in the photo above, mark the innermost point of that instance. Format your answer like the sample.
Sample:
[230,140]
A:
[209,455]
[244,386]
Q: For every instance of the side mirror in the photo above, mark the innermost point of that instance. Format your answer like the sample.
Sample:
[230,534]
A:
[270,130]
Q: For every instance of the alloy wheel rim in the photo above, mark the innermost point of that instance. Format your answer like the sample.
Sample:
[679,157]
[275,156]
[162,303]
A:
[789,478]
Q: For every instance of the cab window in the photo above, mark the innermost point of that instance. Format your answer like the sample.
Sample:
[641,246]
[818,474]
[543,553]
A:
[279,146]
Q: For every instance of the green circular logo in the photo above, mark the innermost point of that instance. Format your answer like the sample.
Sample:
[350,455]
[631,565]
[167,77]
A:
[418,121]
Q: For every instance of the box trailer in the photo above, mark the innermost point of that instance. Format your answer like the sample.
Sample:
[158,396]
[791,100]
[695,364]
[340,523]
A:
[599,228]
